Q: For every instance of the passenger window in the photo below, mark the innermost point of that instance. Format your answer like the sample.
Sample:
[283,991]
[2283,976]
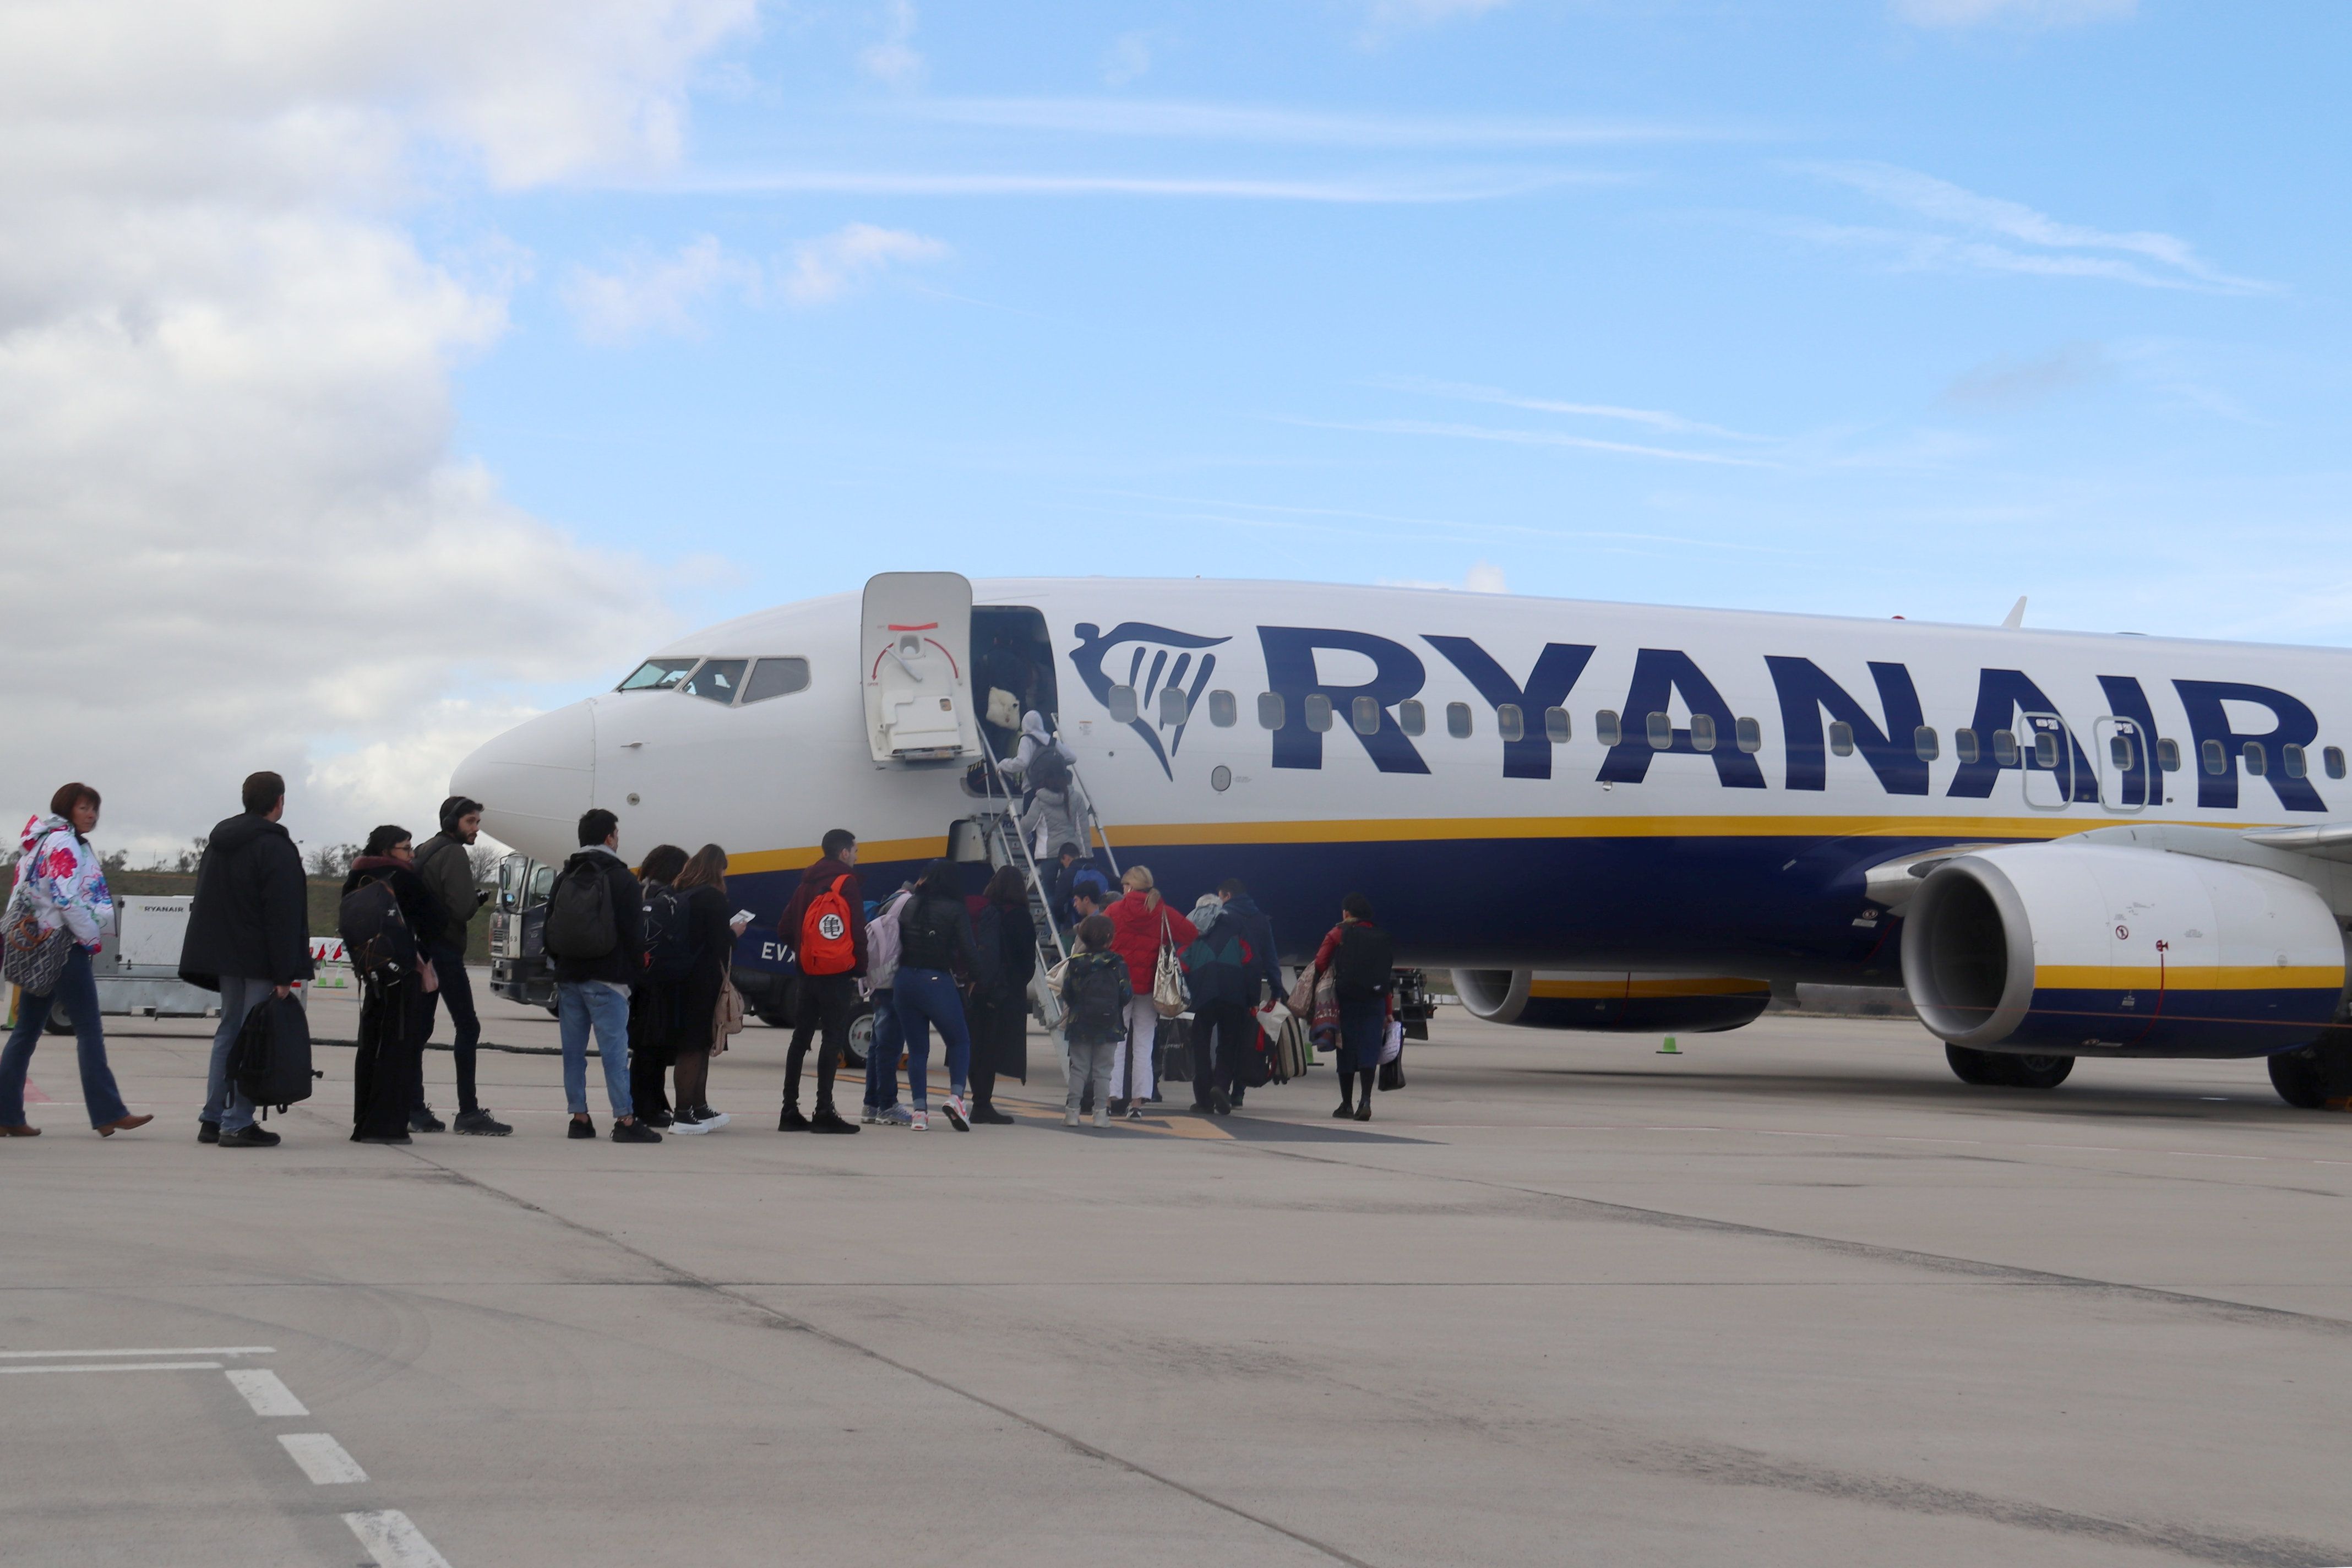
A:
[1556,726]
[1411,716]
[1509,723]
[1122,704]
[1318,711]
[1841,738]
[1269,711]
[2004,748]
[1703,731]
[658,674]
[1174,709]
[1964,745]
[1923,742]
[2168,755]
[2334,758]
[2257,761]
[718,680]
[1222,710]
[2045,748]
[776,678]
[2217,760]
[2119,752]
[1366,712]
[1662,732]
[1458,721]
[1747,735]
[2291,759]
[1606,730]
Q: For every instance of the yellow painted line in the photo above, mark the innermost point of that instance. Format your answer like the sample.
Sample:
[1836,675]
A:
[1700,986]
[2189,977]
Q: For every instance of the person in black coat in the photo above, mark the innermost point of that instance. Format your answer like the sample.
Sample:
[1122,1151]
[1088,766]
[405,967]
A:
[712,930]
[248,936]
[1004,956]
[388,1073]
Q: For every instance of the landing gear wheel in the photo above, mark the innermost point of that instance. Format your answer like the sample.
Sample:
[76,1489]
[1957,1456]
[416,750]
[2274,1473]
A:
[2038,1072]
[861,1040]
[1974,1067]
[2320,1072]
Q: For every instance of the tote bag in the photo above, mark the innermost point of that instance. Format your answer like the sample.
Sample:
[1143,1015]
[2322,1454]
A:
[34,958]
[1169,995]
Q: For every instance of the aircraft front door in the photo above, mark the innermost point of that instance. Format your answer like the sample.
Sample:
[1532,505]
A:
[2052,763]
[916,644]
[2125,763]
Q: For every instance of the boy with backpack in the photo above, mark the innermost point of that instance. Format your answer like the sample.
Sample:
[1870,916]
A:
[596,937]
[1096,990]
[822,922]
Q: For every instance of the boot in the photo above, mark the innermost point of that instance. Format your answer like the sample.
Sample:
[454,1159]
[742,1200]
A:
[791,1120]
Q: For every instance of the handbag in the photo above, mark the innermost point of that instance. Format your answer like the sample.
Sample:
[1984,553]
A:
[1301,999]
[33,958]
[1391,1074]
[1169,995]
[727,1018]
[1392,1043]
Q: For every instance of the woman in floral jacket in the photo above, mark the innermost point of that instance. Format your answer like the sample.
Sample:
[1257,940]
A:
[61,890]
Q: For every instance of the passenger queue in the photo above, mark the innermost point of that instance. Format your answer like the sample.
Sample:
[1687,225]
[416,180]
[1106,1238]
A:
[641,959]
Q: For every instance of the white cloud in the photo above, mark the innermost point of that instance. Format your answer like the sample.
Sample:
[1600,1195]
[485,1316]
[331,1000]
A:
[824,268]
[1127,59]
[224,389]
[1384,16]
[655,294]
[1991,234]
[1184,120]
[2017,13]
[1483,577]
[894,60]
[1655,418]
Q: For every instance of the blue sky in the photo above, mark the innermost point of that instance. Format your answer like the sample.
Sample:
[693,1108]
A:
[1860,308]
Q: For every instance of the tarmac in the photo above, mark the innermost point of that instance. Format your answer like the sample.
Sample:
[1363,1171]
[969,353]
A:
[1792,1296]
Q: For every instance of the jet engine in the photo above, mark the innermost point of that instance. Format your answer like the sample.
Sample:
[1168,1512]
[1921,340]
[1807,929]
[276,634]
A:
[2049,950]
[1609,1001]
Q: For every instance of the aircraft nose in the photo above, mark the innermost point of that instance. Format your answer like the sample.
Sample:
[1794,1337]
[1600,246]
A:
[535,780]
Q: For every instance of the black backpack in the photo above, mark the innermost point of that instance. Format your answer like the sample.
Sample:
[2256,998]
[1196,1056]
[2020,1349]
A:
[580,923]
[376,938]
[1050,770]
[1365,960]
[269,1060]
[669,948]
[1091,988]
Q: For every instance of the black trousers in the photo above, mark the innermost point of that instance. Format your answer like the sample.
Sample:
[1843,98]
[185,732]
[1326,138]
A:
[1000,1041]
[450,969]
[388,1068]
[1222,1032]
[828,1002]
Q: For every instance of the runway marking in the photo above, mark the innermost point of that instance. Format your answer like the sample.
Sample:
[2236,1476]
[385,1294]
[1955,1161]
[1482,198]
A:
[32,1095]
[122,1366]
[187,1350]
[267,1395]
[392,1541]
[321,1459]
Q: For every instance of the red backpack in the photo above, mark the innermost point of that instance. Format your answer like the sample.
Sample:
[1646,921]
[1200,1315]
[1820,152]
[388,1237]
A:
[827,946]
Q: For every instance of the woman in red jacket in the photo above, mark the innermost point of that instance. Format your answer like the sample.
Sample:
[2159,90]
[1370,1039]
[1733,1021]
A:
[1139,924]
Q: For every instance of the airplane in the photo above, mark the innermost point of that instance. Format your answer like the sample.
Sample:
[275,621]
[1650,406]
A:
[1597,816]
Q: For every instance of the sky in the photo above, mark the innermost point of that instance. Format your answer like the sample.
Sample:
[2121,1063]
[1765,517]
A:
[373,376]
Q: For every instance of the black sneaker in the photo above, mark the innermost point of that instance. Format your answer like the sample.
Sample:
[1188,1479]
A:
[481,1123]
[827,1121]
[791,1120]
[582,1127]
[421,1119]
[991,1115]
[1364,1111]
[255,1136]
[657,1118]
[1220,1104]
[1118,1105]
[635,1131]
[380,1138]
[208,1131]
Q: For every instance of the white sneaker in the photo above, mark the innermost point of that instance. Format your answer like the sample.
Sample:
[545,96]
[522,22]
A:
[1134,1113]
[894,1116]
[715,1121]
[1069,1116]
[685,1128]
[957,1116]
[1102,1116]
[869,1116]
[919,1120]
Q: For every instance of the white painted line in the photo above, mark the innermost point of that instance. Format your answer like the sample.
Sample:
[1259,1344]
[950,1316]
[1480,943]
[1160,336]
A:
[393,1542]
[265,1393]
[123,1366]
[182,1350]
[321,1459]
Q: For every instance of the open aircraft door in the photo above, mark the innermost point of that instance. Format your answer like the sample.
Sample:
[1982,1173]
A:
[916,647]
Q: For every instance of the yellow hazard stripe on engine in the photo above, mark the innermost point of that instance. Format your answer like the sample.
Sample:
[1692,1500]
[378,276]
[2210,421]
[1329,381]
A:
[2188,977]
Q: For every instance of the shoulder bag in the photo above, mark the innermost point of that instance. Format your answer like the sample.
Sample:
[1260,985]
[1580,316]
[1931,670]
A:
[1169,995]
[33,957]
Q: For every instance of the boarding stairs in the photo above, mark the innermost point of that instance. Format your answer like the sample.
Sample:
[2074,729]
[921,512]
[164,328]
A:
[999,822]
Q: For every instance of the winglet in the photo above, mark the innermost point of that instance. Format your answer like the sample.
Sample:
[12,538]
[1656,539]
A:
[2016,616]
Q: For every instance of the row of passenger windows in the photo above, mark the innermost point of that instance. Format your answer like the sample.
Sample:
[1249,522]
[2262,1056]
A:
[723,681]
[1658,729]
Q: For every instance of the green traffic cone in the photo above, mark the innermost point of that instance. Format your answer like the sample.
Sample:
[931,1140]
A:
[1668,1048]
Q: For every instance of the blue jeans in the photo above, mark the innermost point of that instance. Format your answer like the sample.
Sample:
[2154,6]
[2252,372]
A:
[78,989]
[580,1005]
[924,997]
[882,1053]
[224,1106]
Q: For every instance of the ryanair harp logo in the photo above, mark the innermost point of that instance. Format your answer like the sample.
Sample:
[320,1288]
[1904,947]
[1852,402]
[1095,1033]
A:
[1148,660]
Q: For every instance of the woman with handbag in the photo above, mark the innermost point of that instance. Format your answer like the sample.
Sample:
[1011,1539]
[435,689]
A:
[702,1029]
[1143,928]
[388,1070]
[57,916]
[1353,966]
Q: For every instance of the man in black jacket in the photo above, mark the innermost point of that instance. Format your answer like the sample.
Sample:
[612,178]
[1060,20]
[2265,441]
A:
[248,937]
[594,979]
[449,872]
[1225,994]
[827,1002]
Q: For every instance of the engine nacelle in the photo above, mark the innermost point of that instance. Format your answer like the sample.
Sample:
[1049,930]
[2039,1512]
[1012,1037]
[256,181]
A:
[1610,1002]
[2115,950]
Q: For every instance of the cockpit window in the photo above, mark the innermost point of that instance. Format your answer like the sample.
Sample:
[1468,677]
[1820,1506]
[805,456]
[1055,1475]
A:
[658,674]
[776,678]
[718,680]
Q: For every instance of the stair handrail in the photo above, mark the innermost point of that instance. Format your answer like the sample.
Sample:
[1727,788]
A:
[1005,828]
